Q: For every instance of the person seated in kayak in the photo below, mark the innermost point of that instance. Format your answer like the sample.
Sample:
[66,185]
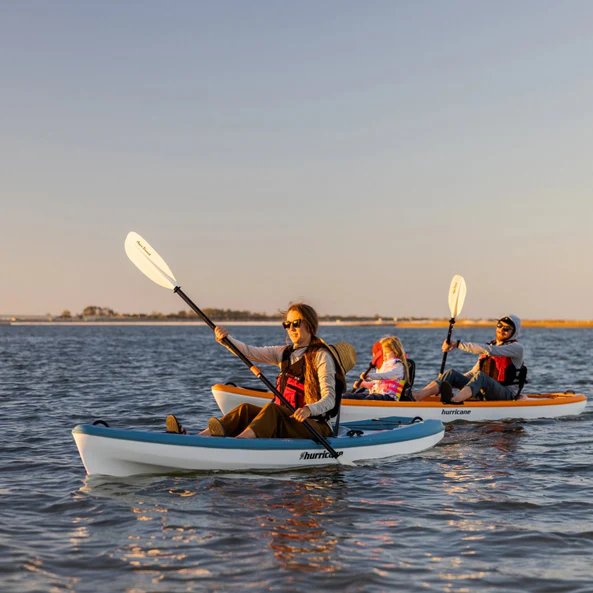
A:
[308,379]
[391,372]
[495,373]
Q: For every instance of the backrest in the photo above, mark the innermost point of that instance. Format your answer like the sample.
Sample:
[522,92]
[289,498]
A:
[522,378]
[411,370]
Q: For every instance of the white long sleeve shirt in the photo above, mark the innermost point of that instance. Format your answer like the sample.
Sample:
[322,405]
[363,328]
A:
[324,365]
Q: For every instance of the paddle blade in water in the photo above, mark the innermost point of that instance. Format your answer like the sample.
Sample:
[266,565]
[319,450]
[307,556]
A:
[148,261]
[456,295]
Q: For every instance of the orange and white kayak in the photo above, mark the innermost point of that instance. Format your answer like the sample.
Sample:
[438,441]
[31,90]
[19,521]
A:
[537,405]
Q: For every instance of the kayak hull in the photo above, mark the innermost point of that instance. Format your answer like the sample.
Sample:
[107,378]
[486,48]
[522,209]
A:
[117,452]
[542,405]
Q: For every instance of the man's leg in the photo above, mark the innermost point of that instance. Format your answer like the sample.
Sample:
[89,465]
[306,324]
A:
[451,376]
[492,389]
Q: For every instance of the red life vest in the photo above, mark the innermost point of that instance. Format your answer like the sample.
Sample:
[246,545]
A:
[500,368]
[291,382]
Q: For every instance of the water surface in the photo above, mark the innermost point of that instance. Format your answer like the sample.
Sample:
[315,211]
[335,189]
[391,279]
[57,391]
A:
[500,506]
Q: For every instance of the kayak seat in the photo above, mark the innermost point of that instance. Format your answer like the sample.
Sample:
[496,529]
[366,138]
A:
[406,395]
[411,370]
[354,433]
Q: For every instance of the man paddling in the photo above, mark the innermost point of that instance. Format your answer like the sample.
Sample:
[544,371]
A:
[497,375]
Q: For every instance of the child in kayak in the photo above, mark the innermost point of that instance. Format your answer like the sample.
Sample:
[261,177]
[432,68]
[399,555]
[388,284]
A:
[309,378]
[391,372]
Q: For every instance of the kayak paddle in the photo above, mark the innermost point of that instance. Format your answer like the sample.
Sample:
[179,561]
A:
[152,265]
[358,381]
[457,292]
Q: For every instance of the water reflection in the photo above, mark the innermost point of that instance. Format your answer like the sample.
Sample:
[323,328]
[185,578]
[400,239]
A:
[186,527]
[504,436]
[477,468]
[295,524]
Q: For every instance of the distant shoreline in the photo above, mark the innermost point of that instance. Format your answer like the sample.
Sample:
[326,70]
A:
[560,323]
[408,324]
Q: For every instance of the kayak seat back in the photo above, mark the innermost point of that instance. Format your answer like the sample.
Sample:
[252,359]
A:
[406,394]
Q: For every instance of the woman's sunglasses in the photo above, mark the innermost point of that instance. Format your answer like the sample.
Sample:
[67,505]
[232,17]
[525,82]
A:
[296,323]
[504,328]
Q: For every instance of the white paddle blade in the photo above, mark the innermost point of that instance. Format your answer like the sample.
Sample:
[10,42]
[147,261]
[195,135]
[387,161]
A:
[457,292]
[148,261]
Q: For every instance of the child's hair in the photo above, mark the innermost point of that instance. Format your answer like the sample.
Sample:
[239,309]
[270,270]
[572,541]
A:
[392,346]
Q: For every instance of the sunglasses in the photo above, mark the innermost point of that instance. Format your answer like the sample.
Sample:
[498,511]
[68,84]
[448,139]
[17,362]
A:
[504,328]
[295,324]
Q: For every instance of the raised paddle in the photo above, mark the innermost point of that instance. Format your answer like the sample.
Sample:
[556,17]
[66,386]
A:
[151,264]
[457,292]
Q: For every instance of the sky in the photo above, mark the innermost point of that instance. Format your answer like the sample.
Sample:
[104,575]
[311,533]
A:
[352,155]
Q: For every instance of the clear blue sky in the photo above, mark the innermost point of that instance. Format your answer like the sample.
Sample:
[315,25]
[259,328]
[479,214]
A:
[354,155]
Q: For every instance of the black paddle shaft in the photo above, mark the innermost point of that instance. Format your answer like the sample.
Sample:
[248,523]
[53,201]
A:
[451,324]
[364,376]
[256,371]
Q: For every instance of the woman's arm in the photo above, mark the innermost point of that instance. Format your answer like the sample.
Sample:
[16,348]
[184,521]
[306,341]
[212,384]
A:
[265,354]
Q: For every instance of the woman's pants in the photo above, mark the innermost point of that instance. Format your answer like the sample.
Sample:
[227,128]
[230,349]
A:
[268,422]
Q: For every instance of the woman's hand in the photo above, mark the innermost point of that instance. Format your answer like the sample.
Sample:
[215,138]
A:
[302,414]
[220,333]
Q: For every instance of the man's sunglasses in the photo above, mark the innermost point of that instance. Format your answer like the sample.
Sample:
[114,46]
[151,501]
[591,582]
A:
[503,327]
[295,324]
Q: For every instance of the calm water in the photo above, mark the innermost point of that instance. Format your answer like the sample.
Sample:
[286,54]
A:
[503,506]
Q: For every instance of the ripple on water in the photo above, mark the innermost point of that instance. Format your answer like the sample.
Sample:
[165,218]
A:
[496,507]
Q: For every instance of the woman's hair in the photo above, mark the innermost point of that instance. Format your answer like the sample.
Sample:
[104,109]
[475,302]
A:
[307,313]
[392,346]
[309,316]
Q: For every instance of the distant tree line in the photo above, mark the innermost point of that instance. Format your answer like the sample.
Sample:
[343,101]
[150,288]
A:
[93,312]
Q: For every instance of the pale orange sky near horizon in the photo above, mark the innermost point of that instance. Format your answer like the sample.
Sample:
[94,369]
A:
[353,156]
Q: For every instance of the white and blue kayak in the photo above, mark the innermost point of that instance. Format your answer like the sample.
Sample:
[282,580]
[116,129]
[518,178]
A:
[122,452]
[537,405]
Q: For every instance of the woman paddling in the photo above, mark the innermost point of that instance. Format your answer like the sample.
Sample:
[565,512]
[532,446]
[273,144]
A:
[310,379]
